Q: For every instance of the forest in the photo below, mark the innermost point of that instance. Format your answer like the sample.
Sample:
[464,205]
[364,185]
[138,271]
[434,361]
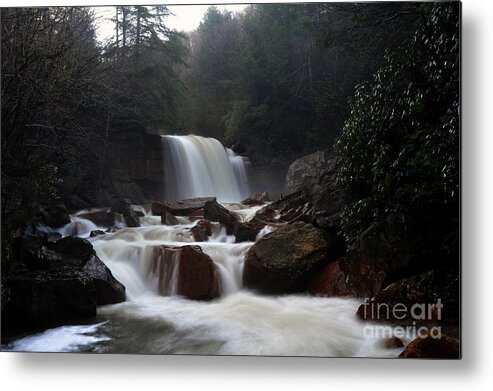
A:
[374,87]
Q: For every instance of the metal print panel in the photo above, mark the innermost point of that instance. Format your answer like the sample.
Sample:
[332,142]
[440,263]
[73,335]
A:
[248,179]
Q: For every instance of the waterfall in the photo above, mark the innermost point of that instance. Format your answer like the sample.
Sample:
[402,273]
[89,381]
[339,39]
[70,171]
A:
[196,166]
[143,259]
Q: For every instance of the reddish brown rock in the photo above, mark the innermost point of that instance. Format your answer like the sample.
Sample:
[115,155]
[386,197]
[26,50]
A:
[186,271]
[442,346]
[199,213]
[168,219]
[424,288]
[392,343]
[179,207]
[201,231]
[366,264]
[330,281]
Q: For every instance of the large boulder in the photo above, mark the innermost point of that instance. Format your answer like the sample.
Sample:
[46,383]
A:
[29,243]
[285,260]
[367,263]
[108,289]
[329,199]
[79,253]
[196,275]
[378,258]
[47,298]
[443,347]
[305,173]
[180,207]
[124,207]
[102,217]
[330,281]
[75,251]
[55,280]
[55,216]
[213,211]
[436,289]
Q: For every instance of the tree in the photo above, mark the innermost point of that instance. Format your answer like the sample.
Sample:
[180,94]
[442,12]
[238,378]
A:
[50,64]
[399,149]
[142,71]
[208,74]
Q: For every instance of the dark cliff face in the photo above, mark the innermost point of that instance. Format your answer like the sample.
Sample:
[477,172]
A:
[135,163]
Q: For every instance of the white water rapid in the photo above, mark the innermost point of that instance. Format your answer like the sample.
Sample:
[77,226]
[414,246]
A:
[156,321]
[196,166]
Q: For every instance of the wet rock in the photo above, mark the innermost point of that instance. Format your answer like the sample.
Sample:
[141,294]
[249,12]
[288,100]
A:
[55,216]
[96,232]
[57,280]
[124,207]
[257,199]
[213,211]
[392,343]
[284,261]
[366,264]
[196,275]
[75,251]
[329,200]
[168,219]
[438,290]
[247,231]
[101,217]
[201,231]
[29,242]
[268,214]
[179,207]
[108,289]
[305,173]
[199,213]
[48,298]
[429,347]
[330,281]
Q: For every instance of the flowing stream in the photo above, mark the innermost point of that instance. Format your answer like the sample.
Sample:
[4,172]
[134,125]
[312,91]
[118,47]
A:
[154,320]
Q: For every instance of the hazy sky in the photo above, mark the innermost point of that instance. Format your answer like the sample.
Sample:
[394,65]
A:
[186,17]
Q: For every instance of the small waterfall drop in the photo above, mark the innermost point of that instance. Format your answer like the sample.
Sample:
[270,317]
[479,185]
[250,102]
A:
[197,166]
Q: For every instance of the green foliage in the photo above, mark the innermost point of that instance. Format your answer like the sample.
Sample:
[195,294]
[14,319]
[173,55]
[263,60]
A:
[277,77]
[399,149]
[208,73]
[141,67]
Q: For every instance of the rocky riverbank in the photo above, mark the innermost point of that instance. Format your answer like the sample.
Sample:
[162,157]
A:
[298,247]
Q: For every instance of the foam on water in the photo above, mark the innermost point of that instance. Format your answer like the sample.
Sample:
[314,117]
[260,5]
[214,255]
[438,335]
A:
[237,323]
[61,339]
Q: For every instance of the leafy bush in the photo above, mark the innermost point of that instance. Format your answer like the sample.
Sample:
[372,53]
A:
[399,149]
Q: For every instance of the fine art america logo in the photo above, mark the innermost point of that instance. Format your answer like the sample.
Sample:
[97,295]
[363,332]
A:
[415,316]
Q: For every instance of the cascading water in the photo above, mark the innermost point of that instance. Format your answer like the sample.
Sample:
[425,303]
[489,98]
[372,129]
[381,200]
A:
[155,320]
[196,166]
